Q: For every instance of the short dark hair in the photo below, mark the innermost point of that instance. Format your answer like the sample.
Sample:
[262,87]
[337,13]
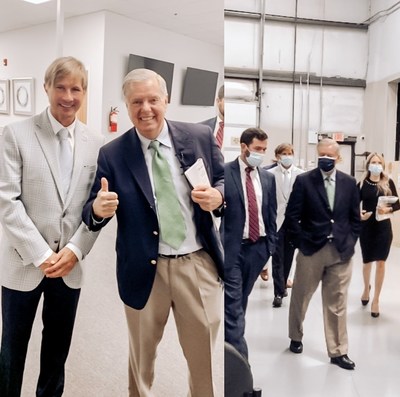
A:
[251,133]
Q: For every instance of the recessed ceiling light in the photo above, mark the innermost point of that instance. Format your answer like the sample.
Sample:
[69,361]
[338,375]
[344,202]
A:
[37,1]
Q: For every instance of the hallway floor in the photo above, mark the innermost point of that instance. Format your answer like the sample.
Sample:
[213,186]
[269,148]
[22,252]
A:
[97,365]
[374,343]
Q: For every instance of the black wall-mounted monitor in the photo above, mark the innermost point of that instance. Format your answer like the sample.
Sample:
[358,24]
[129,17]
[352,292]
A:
[199,87]
[163,68]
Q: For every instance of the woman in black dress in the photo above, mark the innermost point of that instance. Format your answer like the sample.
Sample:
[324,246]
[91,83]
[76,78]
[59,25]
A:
[376,236]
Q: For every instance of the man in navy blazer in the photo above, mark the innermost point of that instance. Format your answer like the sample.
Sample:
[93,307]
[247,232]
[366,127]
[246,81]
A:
[323,219]
[153,274]
[245,256]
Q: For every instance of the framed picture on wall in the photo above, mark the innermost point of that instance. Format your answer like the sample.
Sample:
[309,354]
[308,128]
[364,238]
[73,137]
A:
[23,96]
[4,96]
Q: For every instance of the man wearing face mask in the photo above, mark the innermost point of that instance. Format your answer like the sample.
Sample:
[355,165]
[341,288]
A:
[249,229]
[285,174]
[323,219]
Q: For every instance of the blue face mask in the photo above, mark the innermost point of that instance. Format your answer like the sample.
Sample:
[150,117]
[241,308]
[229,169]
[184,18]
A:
[326,164]
[375,169]
[286,161]
[255,159]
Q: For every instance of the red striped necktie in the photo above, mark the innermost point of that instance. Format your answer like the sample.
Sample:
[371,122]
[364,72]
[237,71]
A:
[254,228]
[220,134]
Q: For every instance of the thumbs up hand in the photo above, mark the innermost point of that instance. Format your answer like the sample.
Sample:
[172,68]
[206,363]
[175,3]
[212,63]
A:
[106,202]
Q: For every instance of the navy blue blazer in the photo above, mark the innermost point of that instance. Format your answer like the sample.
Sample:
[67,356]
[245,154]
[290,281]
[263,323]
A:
[235,212]
[310,220]
[210,122]
[122,162]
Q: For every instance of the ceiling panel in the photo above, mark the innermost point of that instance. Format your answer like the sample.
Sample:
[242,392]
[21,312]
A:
[198,19]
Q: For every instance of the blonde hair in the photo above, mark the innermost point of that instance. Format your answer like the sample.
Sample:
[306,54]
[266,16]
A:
[383,184]
[65,66]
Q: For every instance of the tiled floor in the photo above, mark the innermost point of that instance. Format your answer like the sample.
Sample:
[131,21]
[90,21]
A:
[374,343]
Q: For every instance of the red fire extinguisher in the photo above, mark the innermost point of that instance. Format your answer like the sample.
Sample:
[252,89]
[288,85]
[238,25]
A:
[113,120]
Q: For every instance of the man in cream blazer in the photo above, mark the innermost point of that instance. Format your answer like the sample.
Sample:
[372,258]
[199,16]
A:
[285,175]
[44,238]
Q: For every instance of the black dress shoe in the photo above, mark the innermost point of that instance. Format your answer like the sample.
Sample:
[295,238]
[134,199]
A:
[277,301]
[343,362]
[296,347]
[285,294]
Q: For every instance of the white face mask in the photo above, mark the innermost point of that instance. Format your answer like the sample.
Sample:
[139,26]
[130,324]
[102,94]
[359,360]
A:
[286,160]
[255,159]
[375,169]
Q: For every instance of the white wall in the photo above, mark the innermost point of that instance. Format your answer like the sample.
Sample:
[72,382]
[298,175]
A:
[320,51]
[382,81]
[103,42]
[123,37]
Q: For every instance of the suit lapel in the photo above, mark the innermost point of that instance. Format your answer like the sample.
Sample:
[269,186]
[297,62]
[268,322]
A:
[49,144]
[136,164]
[237,180]
[183,145]
[320,186]
[80,148]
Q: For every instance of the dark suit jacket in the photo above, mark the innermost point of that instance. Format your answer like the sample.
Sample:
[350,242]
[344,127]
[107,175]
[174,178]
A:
[310,220]
[122,162]
[210,122]
[235,212]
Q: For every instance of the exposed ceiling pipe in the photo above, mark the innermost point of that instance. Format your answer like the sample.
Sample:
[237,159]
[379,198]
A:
[60,28]
[294,69]
[299,21]
[261,66]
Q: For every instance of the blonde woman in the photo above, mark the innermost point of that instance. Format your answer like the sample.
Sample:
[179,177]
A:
[376,236]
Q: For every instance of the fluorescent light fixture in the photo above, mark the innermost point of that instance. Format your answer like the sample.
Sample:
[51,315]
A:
[37,1]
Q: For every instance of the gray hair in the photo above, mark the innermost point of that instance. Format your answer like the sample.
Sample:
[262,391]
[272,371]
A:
[139,75]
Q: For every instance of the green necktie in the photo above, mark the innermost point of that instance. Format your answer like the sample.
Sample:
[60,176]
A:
[330,191]
[170,217]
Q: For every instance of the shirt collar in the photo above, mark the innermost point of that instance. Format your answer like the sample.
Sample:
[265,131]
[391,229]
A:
[332,175]
[243,165]
[283,169]
[163,138]
[57,126]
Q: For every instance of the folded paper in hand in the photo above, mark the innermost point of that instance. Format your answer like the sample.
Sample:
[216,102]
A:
[384,201]
[197,174]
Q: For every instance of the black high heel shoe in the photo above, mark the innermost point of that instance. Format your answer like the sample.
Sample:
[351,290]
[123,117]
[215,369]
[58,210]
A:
[366,301]
[374,314]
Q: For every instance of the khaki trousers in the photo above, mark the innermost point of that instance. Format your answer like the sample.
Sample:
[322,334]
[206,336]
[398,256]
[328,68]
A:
[335,275]
[190,286]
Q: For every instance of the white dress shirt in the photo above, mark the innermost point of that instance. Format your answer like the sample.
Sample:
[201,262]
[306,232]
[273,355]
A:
[255,177]
[182,188]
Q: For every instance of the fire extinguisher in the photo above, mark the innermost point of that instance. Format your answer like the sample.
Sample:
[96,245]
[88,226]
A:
[113,120]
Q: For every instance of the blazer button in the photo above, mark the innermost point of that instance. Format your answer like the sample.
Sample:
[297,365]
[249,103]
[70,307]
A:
[153,262]
[332,221]
[155,232]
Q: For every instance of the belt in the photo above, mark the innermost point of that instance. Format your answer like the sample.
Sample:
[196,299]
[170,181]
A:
[171,256]
[247,241]
[175,256]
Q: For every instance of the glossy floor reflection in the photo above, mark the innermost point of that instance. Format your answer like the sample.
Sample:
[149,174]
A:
[374,343]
